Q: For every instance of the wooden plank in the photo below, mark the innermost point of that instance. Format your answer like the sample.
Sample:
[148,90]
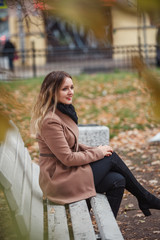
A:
[57,222]
[81,221]
[7,159]
[14,194]
[37,217]
[24,211]
[105,219]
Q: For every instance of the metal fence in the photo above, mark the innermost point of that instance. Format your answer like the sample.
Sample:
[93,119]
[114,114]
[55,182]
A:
[33,63]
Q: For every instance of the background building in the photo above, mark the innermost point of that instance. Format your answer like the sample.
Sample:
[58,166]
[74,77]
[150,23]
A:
[44,39]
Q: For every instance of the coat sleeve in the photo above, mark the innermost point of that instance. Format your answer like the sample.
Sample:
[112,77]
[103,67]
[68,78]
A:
[83,147]
[53,135]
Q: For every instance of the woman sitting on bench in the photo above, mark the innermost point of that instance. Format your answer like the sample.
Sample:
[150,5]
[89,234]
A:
[70,171]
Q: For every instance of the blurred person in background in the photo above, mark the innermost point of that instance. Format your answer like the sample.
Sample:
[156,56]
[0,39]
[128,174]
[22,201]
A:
[9,51]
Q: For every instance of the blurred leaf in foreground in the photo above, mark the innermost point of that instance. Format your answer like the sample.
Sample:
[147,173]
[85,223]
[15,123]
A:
[6,99]
[90,14]
[152,82]
[4,126]
[152,8]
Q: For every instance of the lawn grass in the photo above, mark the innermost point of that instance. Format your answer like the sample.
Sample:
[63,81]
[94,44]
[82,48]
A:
[115,99]
[112,99]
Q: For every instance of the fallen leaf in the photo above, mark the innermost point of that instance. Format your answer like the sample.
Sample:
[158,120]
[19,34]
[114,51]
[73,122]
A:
[52,210]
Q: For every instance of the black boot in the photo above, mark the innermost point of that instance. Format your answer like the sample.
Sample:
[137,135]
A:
[114,197]
[150,202]
[145,199]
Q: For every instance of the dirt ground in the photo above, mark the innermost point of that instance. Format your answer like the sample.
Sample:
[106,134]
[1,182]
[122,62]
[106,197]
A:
[134,226]
[132,222]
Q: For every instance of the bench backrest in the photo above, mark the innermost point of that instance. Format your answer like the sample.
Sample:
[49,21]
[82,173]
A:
[93,135]
[19,178]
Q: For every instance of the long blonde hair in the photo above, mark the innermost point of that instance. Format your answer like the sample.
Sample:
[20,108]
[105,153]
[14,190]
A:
[47,98]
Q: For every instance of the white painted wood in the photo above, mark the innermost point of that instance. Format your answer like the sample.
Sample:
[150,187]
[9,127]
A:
[105,219]
[81,221]
[5,176]
[24,211]
[93,135]
[8,158]
[57,222]
[14,194]
[15,170]
[37,216]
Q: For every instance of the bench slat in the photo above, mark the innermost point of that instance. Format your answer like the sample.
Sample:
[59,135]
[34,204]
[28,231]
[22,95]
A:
[81,221]
[24,211]
[105,219]
[37,223]
[14,194]
[7,158]
[57,222]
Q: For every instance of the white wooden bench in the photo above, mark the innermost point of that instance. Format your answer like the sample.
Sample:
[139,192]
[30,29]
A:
[19,178]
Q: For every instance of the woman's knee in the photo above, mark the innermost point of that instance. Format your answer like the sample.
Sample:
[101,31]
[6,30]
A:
[120,181]
[116,179]
[112,180]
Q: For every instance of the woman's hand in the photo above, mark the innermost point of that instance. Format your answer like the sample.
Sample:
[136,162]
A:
[107,150]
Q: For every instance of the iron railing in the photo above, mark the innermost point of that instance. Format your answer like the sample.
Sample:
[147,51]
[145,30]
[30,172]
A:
[32,62]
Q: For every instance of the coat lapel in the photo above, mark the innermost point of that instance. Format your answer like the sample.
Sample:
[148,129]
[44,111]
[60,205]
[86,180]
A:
[69,123]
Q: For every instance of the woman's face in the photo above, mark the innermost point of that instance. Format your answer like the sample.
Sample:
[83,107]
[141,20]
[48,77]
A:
[66,91]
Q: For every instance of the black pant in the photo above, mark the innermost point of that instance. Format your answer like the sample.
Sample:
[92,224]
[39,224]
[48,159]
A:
[108,181]
[111,176]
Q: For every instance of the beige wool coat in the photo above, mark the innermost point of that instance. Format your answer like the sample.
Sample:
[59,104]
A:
[65,173]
